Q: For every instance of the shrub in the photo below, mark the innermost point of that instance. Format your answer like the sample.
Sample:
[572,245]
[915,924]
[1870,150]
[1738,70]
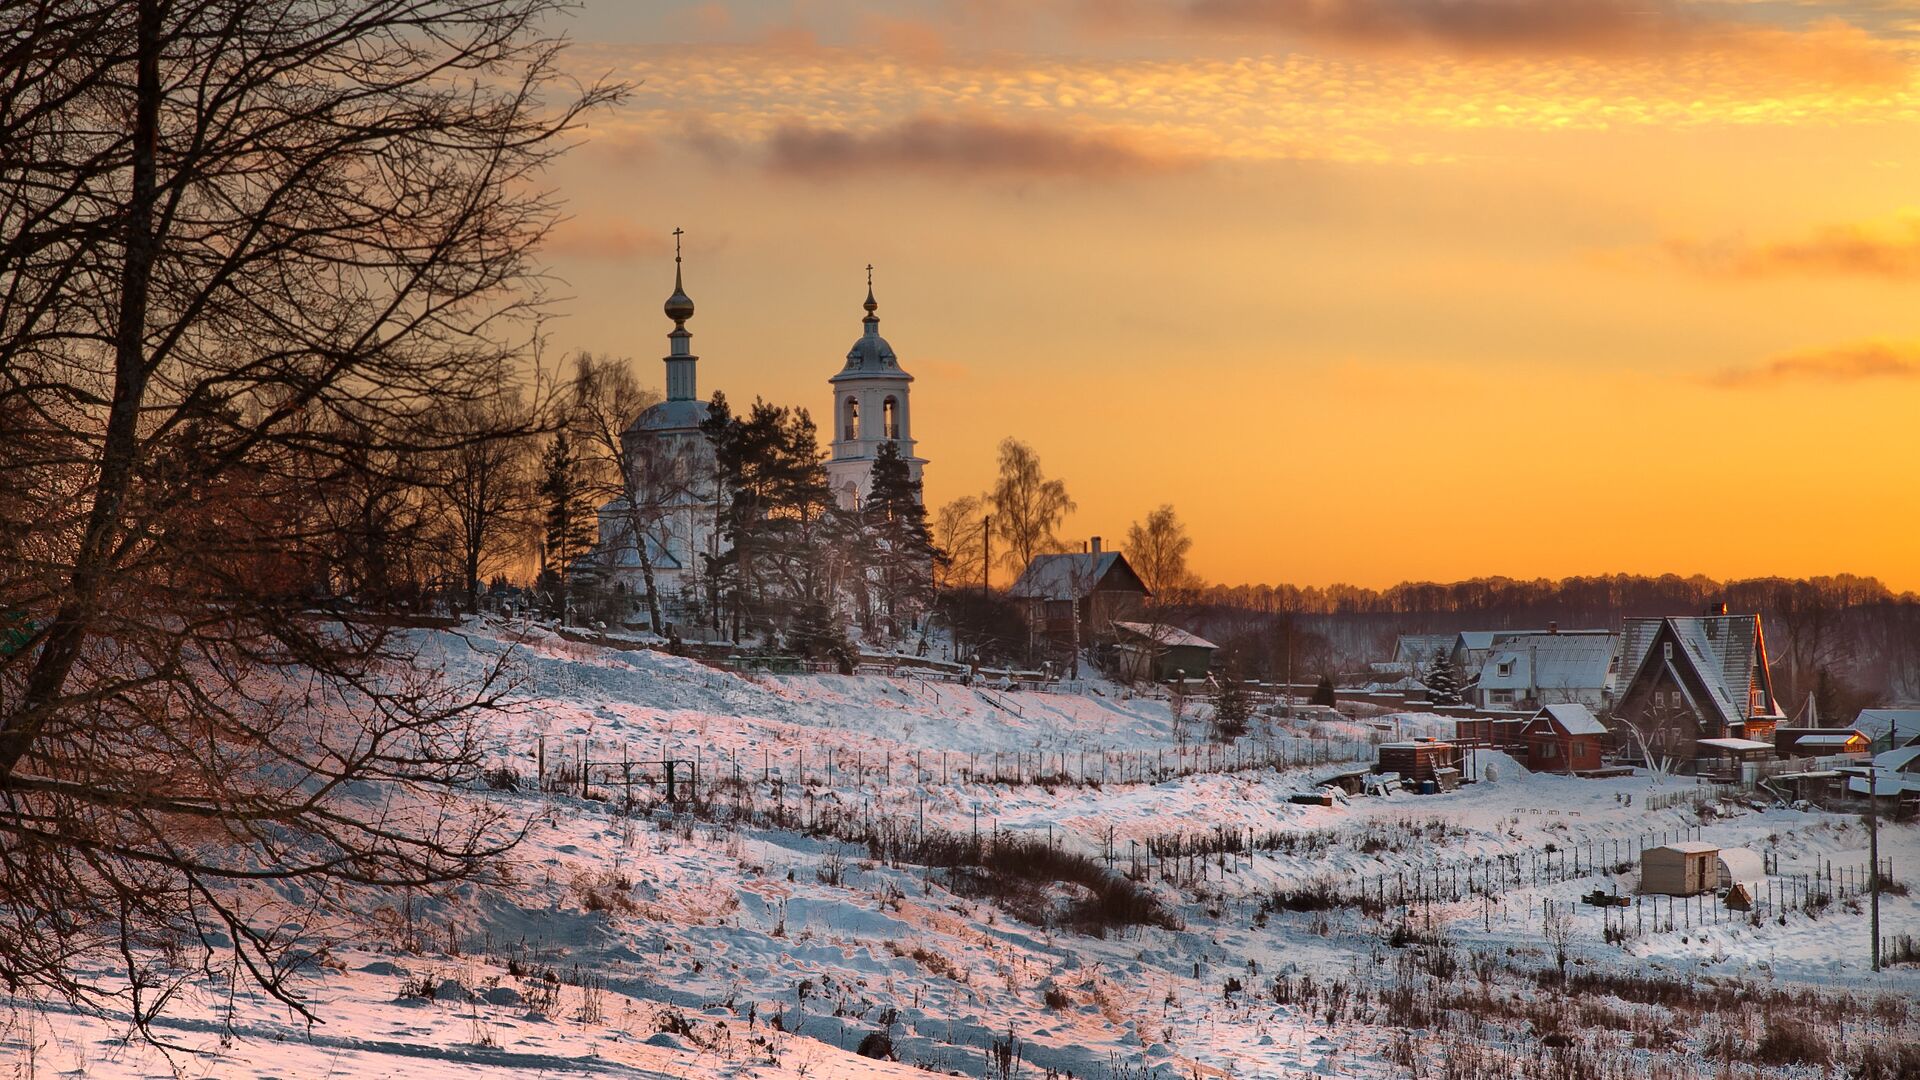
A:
[1788,1041]
[1056,998]
[877,1045]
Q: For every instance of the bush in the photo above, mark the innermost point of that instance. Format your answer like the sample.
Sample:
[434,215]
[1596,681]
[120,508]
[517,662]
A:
[1056,998]
[877,1045]
[1787,1041]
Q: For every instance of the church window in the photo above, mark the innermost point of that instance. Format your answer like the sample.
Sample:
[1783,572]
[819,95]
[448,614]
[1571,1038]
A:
[890,419]
[853,419]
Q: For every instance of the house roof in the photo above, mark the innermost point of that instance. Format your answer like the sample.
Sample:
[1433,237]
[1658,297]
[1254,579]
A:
[1165,635]
[1897,760]
[1075,574]
[1884,783]
[1829,738]
[1573,718]
[1877,724]
[1689,847]
[1576,660]
[1420,648]
[1725,651]
[1735,744]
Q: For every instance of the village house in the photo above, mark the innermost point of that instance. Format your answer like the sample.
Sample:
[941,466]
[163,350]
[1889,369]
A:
[1161,652]
[1530,669]
[1093,588]
[1564,737]
[1694,678]
[1889,729]
[1800,742]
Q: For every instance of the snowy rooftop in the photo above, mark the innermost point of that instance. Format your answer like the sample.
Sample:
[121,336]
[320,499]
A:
[1877,724]
[1897,760]
[1689,847]
[1163,634]
[1736,744]
[1069,576]
[1575,719]
[1836,738]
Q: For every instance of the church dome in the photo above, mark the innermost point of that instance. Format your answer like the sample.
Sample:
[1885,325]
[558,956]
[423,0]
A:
[870,355]
[679,306]
[670,416]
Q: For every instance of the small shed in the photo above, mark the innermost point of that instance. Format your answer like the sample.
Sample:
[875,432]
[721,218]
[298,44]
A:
[1682,869]
[1563,738]
[1418,759]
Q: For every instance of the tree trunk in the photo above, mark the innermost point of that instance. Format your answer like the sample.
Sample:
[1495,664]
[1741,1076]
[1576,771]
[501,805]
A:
[68,632]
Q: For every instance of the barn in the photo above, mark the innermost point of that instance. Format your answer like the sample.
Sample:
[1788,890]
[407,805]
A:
[1682,869]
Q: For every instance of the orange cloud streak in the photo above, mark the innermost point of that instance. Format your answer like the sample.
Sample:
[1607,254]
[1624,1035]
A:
[1839,364]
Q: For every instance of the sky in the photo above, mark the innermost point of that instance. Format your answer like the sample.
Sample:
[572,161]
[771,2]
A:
[1368,290]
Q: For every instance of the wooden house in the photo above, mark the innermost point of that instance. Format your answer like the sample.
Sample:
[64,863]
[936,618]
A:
[1161,652]
[1530,669]
[1692,679]
[1682,869]
[1096,588]
[1563,738]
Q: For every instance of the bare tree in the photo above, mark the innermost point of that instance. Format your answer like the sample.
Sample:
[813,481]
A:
[645,479]
[958,530]
[243,245]
[1027,506]
[484,488]
[1157,550]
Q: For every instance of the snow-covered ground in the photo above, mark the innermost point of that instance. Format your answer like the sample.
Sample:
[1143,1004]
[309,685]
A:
[695,942]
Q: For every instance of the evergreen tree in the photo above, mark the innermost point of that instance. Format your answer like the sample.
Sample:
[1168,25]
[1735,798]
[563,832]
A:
[1231,709]
[570,517]
[1323,694]
[899,555]
[1443,686]
[779,522]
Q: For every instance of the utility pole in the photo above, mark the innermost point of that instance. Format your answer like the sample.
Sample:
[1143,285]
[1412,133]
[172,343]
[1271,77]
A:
[1873,856]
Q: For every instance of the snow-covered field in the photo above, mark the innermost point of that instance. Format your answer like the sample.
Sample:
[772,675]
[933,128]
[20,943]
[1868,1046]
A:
[748,933]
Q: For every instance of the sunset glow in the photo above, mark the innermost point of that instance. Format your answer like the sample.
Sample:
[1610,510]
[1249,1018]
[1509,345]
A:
[1369,290]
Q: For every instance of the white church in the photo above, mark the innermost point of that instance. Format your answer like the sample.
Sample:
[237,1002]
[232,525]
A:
[670,455]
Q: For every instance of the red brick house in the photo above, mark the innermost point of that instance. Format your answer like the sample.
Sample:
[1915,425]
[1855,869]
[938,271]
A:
[1564,738]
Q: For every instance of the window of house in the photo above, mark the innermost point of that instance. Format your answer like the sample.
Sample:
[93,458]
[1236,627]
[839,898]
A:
[890,418]
[1506,668]
[1550,750]
[1666,650]
[853,419]
[1502,697]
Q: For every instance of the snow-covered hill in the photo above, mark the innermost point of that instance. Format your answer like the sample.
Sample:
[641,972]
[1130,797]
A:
[768,925]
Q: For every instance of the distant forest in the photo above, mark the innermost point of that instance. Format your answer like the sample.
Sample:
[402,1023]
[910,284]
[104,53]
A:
[1850,640]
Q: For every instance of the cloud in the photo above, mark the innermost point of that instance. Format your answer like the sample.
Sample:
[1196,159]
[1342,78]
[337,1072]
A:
[968,146]
[1468,25]
[1885,249]
[1839,364]
[604,238]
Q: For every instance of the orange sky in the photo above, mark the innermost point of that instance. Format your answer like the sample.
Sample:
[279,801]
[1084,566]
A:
[1370,290]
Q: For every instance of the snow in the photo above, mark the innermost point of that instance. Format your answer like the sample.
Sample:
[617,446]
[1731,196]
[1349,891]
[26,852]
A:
[678,939]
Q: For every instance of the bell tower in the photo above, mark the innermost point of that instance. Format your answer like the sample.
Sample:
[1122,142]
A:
[870,409]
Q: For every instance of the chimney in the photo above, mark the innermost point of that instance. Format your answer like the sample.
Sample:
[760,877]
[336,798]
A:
[1719,608]
[1553,627]
[1096,545]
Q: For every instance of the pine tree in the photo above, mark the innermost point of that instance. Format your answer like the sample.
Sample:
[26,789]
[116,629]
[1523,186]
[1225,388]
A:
[1323,694]
[570,517]
[898,549]
[1231,709]
[1443,687]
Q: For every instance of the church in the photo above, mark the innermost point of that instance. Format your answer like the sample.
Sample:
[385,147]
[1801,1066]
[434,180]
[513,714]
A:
[672,463]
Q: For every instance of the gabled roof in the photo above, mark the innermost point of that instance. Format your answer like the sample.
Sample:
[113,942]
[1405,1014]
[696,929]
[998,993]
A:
[1166,635]
[1878,723]
[1829,738]
[1726,652]
[1420,648]
[1897,760]
[1569,660]
[1073,575]
[1573,718]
